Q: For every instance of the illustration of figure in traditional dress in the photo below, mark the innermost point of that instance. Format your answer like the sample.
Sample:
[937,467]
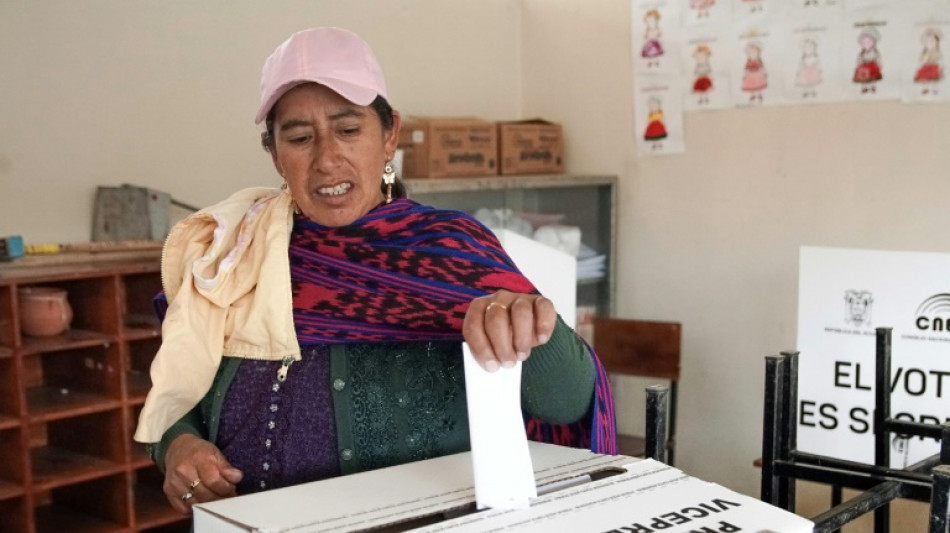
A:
[652,48]
[930,71]
[809,73]
[755,79]
[755,6]
[701,7]
[703,83]
[868,71]
[656,129]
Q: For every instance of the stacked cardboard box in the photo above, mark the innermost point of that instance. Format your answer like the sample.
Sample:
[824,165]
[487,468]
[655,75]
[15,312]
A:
[530,147]
[444,147]
[438,147]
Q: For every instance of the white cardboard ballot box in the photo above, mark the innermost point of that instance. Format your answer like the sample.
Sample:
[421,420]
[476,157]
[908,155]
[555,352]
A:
[579,491]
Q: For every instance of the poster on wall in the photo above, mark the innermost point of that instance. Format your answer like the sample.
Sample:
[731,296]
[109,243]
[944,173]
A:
[657,37]
[744,10]
[924,63]
[717,13]
[871,49]
[809,58]
[844,294]
[658,115]
[756,72]
[708,83]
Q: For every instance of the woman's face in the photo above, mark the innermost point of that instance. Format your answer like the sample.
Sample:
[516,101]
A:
[331,152]
[867,42]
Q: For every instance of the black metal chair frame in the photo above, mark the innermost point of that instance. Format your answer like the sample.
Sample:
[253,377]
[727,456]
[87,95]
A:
[658,422]
[783,463]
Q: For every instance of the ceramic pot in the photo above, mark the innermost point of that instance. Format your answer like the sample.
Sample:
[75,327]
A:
[44,311]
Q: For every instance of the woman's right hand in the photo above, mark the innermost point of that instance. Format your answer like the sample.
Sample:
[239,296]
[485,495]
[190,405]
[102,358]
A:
[197,467]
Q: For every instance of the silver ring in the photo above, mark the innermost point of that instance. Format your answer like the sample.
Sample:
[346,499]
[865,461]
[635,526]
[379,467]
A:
[194,484]
[187,496]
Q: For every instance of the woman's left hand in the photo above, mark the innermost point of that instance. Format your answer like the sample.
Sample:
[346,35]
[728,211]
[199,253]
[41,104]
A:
[501,328]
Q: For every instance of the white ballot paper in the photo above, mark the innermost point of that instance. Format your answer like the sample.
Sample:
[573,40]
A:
[503,474]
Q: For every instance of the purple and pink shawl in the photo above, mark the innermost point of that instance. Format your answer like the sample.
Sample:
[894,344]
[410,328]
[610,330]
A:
[407,272]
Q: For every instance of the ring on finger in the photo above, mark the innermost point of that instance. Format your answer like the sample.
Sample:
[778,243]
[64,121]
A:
[194,484]
[187,496]
[496,304]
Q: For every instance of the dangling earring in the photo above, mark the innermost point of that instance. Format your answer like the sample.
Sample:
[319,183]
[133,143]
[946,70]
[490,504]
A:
[286,188]
[389,177]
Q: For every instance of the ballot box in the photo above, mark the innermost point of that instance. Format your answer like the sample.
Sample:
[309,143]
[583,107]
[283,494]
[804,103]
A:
[578,491]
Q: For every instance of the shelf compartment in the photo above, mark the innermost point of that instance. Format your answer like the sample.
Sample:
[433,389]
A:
[13,515]
[138,455]
[71,339]
[138,362]
[97,506]
[95,314]
[9,399]
[53,467]
[73,382]
[77,449]
[151,506]
[138,384]
[50,403]
[7,325]
[141,328]
[138,314]
[12,465]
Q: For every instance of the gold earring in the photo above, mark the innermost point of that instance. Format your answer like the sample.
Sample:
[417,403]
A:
[389,177]
[286,188]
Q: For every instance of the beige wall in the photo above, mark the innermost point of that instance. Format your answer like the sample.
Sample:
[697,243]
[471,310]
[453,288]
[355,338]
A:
[162,94]
[710,238]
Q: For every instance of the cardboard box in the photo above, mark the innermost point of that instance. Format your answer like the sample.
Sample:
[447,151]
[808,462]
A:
[443,147]
[578,491]
[530,147]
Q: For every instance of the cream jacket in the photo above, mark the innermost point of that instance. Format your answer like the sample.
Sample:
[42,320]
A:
[226,275]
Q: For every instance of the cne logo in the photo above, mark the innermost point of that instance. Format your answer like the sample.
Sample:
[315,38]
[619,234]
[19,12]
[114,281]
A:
[933,314]
[857,307]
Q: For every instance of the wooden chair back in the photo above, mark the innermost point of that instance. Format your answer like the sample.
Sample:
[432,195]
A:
[639,347]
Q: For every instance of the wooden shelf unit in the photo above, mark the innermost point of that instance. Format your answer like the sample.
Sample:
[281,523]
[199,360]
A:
[69,403]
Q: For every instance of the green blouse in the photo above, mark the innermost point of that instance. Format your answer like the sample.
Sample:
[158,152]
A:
[401,402]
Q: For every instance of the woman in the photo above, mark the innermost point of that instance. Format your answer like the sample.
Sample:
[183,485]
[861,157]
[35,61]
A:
[339,307]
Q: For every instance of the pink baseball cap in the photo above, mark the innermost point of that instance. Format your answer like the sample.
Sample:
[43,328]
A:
[334,57]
